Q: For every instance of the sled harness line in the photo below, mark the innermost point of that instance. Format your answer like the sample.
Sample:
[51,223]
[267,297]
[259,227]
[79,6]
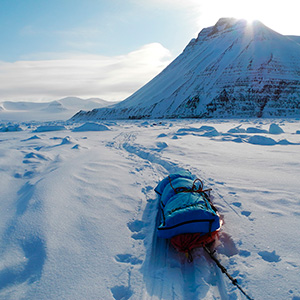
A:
[194,188]
[224,270]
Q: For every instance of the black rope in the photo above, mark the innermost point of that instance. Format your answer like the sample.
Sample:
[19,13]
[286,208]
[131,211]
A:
[224,270]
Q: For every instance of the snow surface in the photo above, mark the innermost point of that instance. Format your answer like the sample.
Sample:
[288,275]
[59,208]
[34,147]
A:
[91,126]
[78,210]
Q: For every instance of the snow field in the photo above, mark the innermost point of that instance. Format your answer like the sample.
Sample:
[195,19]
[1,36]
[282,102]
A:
[78,209]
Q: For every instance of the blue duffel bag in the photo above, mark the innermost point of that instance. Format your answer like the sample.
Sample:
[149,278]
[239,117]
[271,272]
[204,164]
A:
[185,207]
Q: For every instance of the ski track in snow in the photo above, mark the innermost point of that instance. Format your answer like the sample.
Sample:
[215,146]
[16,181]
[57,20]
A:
[82,212]
[196,279]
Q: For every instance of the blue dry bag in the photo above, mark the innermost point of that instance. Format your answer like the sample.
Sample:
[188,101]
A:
[184,208]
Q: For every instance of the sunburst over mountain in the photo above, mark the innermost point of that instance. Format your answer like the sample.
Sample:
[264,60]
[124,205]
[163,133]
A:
[233,68]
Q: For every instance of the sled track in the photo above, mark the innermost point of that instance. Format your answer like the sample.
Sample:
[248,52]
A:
[125,142]
[167,274]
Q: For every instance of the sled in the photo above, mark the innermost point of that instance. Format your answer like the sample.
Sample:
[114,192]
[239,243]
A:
[187,216]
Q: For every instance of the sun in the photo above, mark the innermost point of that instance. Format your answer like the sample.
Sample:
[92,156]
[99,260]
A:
[282,17]
[247,10]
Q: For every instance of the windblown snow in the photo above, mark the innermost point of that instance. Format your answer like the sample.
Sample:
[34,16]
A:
[78,209]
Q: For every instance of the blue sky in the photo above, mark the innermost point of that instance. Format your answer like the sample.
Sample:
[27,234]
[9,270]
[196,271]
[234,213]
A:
[108,49]
[113,27]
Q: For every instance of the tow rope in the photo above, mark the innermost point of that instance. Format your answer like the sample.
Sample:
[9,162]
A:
[224,270]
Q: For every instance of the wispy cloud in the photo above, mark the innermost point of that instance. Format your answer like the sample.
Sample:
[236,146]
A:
[110,78]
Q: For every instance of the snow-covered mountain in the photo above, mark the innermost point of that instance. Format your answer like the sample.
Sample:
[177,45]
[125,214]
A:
[231,69]
[45,111]
[90,103]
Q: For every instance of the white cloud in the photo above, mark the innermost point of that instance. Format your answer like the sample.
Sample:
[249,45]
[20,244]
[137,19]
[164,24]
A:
[110,78]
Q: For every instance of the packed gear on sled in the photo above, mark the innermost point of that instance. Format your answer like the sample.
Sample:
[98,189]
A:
[187,216]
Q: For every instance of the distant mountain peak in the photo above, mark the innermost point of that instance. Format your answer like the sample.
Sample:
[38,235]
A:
[238,26]
[233,68]
[228,21]
[224,24]
[233,23]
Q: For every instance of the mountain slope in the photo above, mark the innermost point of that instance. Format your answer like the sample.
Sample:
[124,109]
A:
[230,69]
